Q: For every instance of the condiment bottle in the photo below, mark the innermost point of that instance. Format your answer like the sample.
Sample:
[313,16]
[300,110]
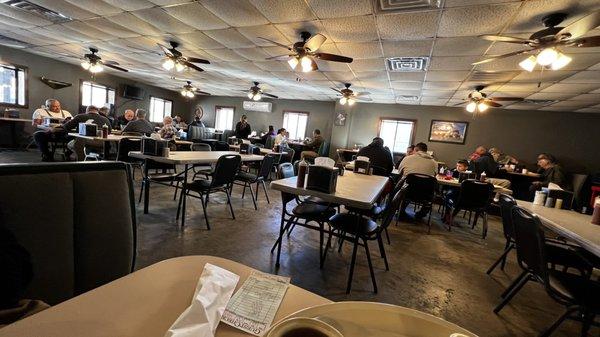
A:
[483,176]
[104,131]
[596,214]
[302,168]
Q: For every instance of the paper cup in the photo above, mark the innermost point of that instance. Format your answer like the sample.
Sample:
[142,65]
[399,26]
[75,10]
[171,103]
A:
[301,323]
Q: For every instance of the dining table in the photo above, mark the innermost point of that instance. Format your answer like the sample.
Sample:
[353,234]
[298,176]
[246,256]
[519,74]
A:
[442,180]
[187,159]
[13,128]
[263,151]
[115,138]
[576,227]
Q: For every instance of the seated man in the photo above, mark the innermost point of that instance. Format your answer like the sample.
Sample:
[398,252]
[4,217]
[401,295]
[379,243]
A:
[43,137]
[418,162]
[77,145]
[122,121]
[486,163]
[502,158]
[552,172]
[140,125]
[168,131]
[378,155]
[452,192]
[479,151]
[312,146]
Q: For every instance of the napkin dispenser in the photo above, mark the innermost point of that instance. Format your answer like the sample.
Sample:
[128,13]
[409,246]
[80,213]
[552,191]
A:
[51,121]
[153,147]
[462,176]
[246,148]
[86,129]
[361,166]
[322,178]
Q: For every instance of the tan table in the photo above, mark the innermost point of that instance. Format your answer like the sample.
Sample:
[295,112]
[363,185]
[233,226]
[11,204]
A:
[116,138]
[353,189]
[13,128]
[528,174]
[575,226]
[263,150]
[454,183]
[144,303]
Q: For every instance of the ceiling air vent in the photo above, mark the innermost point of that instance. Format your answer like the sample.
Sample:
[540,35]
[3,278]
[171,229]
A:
[10,42]
[38,10]
[407,64]
[393,6]
[406,98]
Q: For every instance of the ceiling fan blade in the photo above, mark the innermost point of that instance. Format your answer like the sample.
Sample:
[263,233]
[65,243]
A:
[269,95]
[201,92]
[191,65]
[461,103]
[315,42]
[581,26]
[114,63]
[509,39]
[363,98]
[333,57]
[110,65]
[165,50]
[275,43]
[491,103]
[585,42]
[500,99]
[494,58]
[334,89]
[279,57]
[362,93]
[197,60]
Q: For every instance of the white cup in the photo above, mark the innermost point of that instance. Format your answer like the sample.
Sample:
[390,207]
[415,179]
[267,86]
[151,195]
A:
[524,171]
[282,328]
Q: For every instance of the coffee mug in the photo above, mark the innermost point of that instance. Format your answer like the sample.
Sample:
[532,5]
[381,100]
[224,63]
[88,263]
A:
[303,326]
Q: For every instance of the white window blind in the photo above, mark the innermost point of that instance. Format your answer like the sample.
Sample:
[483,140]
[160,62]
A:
[159,108]
[396,134]
[223,118]
[295,123]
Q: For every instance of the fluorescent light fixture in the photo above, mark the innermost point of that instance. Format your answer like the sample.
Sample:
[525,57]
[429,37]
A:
[561,61]
[547,56]
[471,107]
[528,63]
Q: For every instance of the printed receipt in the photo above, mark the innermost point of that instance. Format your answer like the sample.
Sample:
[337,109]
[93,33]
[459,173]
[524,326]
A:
[253,307]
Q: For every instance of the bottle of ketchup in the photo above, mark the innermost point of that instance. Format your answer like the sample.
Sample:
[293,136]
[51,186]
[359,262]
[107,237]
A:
[302,168]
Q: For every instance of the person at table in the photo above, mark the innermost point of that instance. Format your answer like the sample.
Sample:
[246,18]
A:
[140,125]
[479,151]
[179,123]
[452,192]
[122,121]
[197,122]
[485,162]
[551,172]
[418,162]
[168,131]
[78,145]
[105,111]
[461,167]
[502,158]
[312,146]
[267,135]
[378,155]
[52,109]
[410,149]
[242,128]
[280,137]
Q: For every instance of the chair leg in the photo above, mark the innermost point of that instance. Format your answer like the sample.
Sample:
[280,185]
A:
[370,265]
[321,241]
[281,231]
[387,235]
[511,294]
[141,190]
[327,246]
[176,189]
[290,229]
[283,225]
[509,246]
[252,195]
[265,189]
[382,251]
[204,205]
[474,220]
[485,225]
[179,203]
[341,241]
[429,221]
[501,259]
[513,284]
[558,322]
[244,190]
[588,320]
[351,273]
[228,201]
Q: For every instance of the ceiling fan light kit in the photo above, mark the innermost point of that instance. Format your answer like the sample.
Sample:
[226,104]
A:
[94,64]
[255,93]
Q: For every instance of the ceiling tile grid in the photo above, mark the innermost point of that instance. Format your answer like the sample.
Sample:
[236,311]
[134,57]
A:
[227,34]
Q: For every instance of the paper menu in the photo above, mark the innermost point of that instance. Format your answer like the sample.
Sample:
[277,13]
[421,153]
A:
[253,307]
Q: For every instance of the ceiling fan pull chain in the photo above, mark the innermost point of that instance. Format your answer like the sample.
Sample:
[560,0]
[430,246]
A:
[541,75]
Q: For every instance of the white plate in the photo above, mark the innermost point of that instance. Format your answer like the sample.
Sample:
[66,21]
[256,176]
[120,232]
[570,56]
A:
[360,319]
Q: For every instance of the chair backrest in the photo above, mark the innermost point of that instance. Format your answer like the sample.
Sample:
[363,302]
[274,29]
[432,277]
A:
[507,202]
[80,232]
[474,194]
[270,142]
[421,187]
[325,161]
[221,146]
[225,170]
[379,171]
[200,147]
[324,149]
[266,166]
[289,155]
[393,206]
[133,134]
[530,242]
[577,181]
[286,170]
[296,164]
[195,133]
[125,146]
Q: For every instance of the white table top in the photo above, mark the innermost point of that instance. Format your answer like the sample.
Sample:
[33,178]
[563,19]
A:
[144,303]
[572,225]
[454,182]
[528,174]
[353,189]
[22,120]
[262,150]
[194,157]
[117,137]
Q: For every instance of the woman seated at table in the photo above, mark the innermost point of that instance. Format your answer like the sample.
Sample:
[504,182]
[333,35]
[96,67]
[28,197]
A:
[551,171]
[168,131]
[267,135]
[502,158]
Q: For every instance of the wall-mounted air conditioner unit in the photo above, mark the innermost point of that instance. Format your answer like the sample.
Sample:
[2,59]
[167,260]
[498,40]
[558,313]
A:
[258,106]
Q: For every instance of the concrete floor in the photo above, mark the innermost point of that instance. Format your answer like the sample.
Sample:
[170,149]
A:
[442,273]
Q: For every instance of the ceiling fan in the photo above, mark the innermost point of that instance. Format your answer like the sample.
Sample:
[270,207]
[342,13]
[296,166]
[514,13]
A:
[478,101]
[175,59]
[93,62]
[350,97]
[544,44]
[190,91]
[305,52]
[255,93]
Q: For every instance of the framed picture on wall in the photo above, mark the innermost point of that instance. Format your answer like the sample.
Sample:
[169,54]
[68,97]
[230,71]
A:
[340,119]
[454,132]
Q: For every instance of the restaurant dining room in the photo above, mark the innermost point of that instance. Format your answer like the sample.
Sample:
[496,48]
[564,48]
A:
[299,168]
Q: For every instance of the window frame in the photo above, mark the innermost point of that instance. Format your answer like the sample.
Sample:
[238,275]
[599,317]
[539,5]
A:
[149,112]
[412,132]
[108,88]
[217,107]
[26,86]
[307,113]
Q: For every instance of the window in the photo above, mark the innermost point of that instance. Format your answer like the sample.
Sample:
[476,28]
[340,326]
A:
[12,86]
[224,117]
[397,134]
[295,123]
[96,94]
[159,108]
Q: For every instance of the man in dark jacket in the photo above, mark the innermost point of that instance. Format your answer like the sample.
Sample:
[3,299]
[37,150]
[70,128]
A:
[484,163]
[140,125]
[242,128]
[78,144]
[552,172]
[378,155]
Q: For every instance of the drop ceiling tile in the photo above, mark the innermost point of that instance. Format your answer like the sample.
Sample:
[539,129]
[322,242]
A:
[344,76]
[375,85]
[447,75]
[372,76]
[416,76]
[576,88]
[591,98]
[130,5]
[332,66]
[437,94]
[23,16]
[195,15]
[589,110]
[352,29]
[358,50]
[272,65]
[368,65]
[550,96]
[475,20]
[583,77]
[62,32]
[199,40]
[410,48]
[500,48]
[582,61]
[8,21]
[65,8]
[160,19]
[287,75]
[254,54]
[281,11]
[407,26]
[546,76]
[523,106]
[137,44]
[403,86]
[265,31]
[460,46]
[452,62]
[504,64]
[84,28]
[230,38]
[441,85]
[326,9]
[111,28]
[236,13]
[525,87]
[97,7]
[275,51]
[571,105]
[203,54]
[225,54]
[129,20]
[29,37]
[292,30]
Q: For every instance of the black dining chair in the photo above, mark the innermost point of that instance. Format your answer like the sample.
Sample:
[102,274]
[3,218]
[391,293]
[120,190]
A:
[506,202]
[164,174]
[201,168]
[221,180]
[421,191]
[577,292]
[305,211]
[125,146]
[247,179]
[360,230]
[474,196]
[221,146]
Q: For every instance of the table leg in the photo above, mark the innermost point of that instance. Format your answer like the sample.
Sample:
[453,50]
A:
[13,135]
[185,176]
[146,187]
[105,150]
